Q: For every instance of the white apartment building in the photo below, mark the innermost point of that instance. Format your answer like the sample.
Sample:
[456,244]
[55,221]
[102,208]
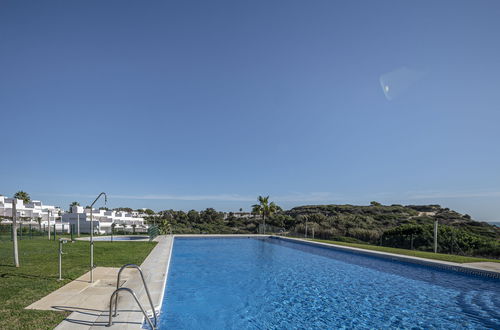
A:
[103,220]
[32,211]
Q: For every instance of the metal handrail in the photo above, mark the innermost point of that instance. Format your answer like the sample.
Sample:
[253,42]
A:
[145,287]
[115,293]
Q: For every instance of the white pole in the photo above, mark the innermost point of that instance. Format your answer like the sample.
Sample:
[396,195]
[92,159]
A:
[14,232]
[48,220]
[91,246]
[435,235]
[60,259]
[306,228]
[78,217]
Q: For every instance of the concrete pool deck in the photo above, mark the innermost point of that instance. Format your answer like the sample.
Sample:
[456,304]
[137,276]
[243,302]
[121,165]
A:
[80,294]
[485,265]
[89,303]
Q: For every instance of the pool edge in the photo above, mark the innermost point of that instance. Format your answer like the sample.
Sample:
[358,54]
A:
[410,259]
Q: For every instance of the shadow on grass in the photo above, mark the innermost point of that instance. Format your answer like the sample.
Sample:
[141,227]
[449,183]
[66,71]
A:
[14,275]
[7,265]
[88,311]
[96,324]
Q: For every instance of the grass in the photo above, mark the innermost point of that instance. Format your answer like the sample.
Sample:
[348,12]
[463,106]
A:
[413,253]
[38,274]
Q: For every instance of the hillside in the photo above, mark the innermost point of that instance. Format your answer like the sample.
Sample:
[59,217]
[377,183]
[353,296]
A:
[379,217]
[409,227]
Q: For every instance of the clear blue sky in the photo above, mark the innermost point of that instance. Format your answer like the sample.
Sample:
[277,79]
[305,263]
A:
[192,104]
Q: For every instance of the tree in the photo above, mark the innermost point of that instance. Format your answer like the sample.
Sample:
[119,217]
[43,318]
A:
[210,215]
[149,211]
[265,209]
[23,195]
[165,227]
[123,209]
[193,216]
[73,204]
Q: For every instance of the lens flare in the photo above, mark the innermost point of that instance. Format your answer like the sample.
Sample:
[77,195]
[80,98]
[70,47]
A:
[396,82]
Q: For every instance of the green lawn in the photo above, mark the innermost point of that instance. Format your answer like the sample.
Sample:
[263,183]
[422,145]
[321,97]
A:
[38,274]
[413,253]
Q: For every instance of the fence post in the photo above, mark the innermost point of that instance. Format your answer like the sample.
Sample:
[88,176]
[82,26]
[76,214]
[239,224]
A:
[435,235]
[54,232]
[452,241]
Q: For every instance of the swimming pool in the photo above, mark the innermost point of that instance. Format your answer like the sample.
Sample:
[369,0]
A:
[249,283]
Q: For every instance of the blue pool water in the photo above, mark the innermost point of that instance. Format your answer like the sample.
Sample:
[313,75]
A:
[247,283]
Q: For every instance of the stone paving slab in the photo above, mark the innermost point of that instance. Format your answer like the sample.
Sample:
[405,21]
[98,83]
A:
[80,293]
[494,266]
[129,315]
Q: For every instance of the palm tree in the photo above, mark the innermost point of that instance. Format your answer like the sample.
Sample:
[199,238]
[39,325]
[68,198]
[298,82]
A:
[39,220]
[73,204]
[265,209]
[23,195]
[113,225]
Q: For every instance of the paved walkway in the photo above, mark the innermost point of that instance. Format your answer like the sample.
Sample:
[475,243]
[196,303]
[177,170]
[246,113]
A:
[80,294]
[486,265]
[89,303]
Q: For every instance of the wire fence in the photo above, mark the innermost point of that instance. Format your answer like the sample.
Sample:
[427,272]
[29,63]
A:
[30,231]
[447,243]
[153,232]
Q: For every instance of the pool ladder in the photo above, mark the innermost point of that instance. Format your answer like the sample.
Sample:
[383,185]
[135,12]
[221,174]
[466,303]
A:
[118,289]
